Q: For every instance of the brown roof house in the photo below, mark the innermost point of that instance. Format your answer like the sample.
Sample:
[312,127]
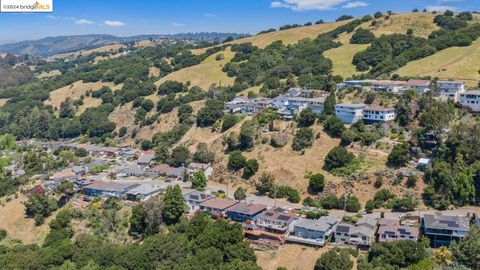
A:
[217,206]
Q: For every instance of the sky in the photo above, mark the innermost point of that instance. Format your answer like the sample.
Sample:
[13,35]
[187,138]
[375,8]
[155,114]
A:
[133,17]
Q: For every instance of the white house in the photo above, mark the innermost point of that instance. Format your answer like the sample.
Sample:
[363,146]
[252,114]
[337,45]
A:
[421,86]
[361,234]
[450,90]
[389,86]
[195,167]
[378,114]
[470,100]
[349,113]
[236,104]
[315,232]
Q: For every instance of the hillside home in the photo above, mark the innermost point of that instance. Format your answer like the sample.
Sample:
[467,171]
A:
[176,174]
[421,86]
[314,232]
[450,90]
[375,114]
[349,113]
[443,229]
[236,105]
[111,151]
[108,189]
[275,220]
[160,170]
[131,171]
[145,160]
[195,167]
[195,198]
[241,212]
[217,206]
[360,234]
[256,105]
[391,230]
[316,104]
[470,100]
[396,87]
[65,175]
[145,192]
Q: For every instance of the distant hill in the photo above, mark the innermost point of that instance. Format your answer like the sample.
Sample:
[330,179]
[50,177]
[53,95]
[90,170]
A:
[60,44]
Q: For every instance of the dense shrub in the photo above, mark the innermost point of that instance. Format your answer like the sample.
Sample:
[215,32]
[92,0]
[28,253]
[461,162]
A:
[338,157]
[362,36]
[303,139]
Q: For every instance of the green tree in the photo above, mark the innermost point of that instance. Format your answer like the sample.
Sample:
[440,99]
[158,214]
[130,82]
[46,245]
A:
[399,156]
[265,183]
[329,106]
[174,205]
[247,134]
[334,259]
[338,157]
[334,126]
[251,167]
[39,206]
[236,160]
[180,156]
[306,117]
[199,180]
[303,139]
[229,120]
[240,194]
[203,154]
[316,182]
[467,250]
[362,36]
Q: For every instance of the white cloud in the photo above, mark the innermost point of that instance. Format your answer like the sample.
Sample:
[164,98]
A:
[355,4]
[302,5]
[440,8]
[61,18]
[114,23]
[176,24]
[84,22]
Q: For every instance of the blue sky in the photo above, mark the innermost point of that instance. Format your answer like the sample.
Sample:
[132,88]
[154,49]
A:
[124,18]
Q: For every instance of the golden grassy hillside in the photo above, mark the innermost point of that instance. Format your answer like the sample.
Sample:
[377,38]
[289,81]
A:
[75,91]
[461,63]
[205,73]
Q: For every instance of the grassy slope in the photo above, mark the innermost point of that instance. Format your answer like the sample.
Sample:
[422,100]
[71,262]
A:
[420,23]
[205,73]
[460,63]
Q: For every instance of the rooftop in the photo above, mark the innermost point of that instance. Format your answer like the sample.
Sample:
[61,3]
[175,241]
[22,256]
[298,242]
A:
[247,209]
[218,203]
[418,83]
[379,108]
[446,222]
[399,230]
[147,189]
[472,92]
[196,195]
[351,105]
[321,224]
[146,158]
[277,214]
[111,186]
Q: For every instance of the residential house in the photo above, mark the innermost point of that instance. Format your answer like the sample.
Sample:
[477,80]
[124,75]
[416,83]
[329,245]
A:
[131,171]
[111,151]
[423,164]
[443,229]
[217,206]
[314,232]
[145,160]
[349,113]
[360,234]
[64,175]
[256,105]
[145,192]
[94,163]
[270,225]
[79,170]
[241,212]
[391,230]
[236,105]
[194,198]
[470,100]
[195,167]
[379,114]
[396,87]
[159,170]
[108,189]
[450,90]
[421,86]
[176,174]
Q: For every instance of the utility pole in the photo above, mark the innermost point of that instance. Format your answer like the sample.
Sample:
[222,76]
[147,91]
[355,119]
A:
[275,194]
[345,205]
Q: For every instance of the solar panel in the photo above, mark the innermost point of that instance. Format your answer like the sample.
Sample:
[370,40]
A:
[283,217]
[269,214]
[449,223]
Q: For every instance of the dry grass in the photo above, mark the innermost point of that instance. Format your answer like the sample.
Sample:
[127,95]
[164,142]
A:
[460,63]
[75,91]
[3,101]
[107,48]
[12,219]
[203,74]
[50,74]
[342,58]
[288,166]
[153,72]
[421,24]
[291,256]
